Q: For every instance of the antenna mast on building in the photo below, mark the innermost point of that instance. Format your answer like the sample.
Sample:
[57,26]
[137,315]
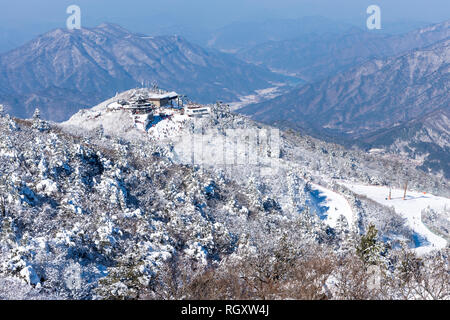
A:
[155,86]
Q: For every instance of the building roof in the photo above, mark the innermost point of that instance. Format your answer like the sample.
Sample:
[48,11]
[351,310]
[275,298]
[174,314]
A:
[160,96]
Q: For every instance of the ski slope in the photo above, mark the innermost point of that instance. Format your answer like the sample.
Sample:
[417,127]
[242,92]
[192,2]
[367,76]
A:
[335,205]
[410,208]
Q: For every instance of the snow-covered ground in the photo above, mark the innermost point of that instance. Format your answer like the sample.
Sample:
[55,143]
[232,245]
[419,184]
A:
[172,126]
[410,208]
[335,205]
[112,121]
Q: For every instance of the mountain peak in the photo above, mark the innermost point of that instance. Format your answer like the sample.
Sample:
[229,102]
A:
[94,63]
[56,33]
[109,28]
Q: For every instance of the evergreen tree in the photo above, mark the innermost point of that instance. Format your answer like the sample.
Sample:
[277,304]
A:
[38,123]
[369,248]
[37,115]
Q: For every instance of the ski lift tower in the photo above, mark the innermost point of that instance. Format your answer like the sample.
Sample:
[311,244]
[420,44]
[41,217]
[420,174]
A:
[405,189]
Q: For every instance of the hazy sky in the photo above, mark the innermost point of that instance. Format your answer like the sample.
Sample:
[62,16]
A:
[142,14]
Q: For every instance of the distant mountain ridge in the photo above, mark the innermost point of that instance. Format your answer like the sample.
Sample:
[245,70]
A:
[364,99]
[242,35]
[400,104]
[426,139]
[63,70]
[316,56]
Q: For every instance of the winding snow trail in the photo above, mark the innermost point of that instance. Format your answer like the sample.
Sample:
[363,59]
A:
[411,209]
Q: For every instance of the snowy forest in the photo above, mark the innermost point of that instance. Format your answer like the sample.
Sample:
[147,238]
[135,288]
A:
[96,213]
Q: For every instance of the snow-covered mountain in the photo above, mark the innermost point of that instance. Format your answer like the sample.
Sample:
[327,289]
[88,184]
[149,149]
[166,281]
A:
[425,139]
[65,70]
[102,206]
[373,100]
[316,55]
[364,99]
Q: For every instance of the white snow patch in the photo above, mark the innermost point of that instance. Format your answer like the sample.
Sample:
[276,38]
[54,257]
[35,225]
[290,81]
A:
[338,205]
[47,186]
[29,275]
[168,127]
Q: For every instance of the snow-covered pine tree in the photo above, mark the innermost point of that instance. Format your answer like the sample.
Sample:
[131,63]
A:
[370,248]
[38,123]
